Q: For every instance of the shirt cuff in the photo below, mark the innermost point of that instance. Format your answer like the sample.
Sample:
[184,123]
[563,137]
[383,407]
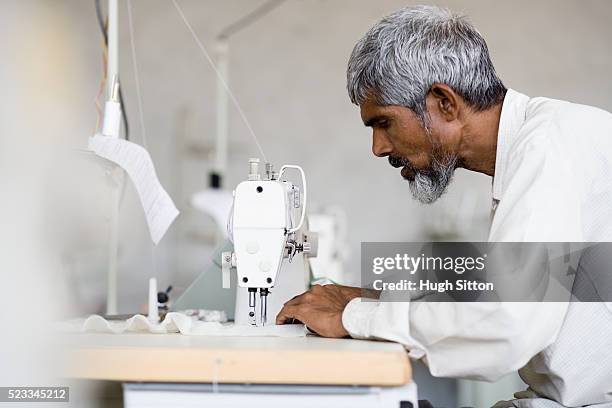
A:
[357,316]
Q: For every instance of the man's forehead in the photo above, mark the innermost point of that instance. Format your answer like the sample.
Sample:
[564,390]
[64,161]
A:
[370,108]
[371,111]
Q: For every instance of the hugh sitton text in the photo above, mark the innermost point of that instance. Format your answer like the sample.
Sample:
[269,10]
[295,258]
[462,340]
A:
[433,286]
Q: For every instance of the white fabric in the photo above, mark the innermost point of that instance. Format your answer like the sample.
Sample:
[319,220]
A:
[553,183]
[180,323]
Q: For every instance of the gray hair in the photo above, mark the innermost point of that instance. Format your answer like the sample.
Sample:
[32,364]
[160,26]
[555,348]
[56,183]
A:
[402,56]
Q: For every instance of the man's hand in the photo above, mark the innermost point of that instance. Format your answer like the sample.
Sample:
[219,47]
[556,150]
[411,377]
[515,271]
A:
[320,309]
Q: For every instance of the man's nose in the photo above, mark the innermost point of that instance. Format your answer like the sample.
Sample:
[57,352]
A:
[381,146]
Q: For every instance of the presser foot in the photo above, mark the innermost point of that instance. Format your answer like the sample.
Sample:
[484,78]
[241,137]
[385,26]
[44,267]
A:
[263,306]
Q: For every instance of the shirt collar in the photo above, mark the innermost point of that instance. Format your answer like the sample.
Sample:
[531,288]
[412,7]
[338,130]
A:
[510,122]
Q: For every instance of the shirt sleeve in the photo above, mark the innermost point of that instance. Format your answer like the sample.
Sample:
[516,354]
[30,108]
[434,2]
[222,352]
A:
[481,341]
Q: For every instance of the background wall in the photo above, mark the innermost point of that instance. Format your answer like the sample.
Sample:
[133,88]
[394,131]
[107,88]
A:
[288,72]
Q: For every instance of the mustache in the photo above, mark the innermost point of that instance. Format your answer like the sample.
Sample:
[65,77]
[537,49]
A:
[397,162]
[449,161]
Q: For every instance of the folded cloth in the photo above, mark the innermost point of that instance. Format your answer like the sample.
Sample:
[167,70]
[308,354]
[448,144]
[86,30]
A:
[179,323]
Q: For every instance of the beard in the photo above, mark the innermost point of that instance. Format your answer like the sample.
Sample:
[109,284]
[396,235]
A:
[429,184]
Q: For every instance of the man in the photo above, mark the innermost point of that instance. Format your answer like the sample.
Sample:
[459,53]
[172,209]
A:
[425,84]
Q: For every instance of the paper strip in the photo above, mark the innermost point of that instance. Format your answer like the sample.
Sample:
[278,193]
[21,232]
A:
[159,208]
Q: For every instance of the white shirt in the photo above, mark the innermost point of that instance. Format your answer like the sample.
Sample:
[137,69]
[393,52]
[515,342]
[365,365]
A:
[553,183]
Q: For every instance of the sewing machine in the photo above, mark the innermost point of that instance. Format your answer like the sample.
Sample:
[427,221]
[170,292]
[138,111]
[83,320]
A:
[267,226]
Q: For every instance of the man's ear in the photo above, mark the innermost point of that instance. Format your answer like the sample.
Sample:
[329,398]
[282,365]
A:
[445,100]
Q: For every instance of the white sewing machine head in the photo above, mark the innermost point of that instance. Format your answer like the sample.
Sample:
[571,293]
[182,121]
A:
[265,225]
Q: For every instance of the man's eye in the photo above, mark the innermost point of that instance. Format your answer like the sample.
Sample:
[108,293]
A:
[383,124]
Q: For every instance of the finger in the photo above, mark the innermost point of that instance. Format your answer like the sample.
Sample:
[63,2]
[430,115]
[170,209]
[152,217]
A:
[287,317]
[288,314]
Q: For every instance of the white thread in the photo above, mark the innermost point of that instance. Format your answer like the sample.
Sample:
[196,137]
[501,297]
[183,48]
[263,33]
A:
[136,76]
[214,67]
